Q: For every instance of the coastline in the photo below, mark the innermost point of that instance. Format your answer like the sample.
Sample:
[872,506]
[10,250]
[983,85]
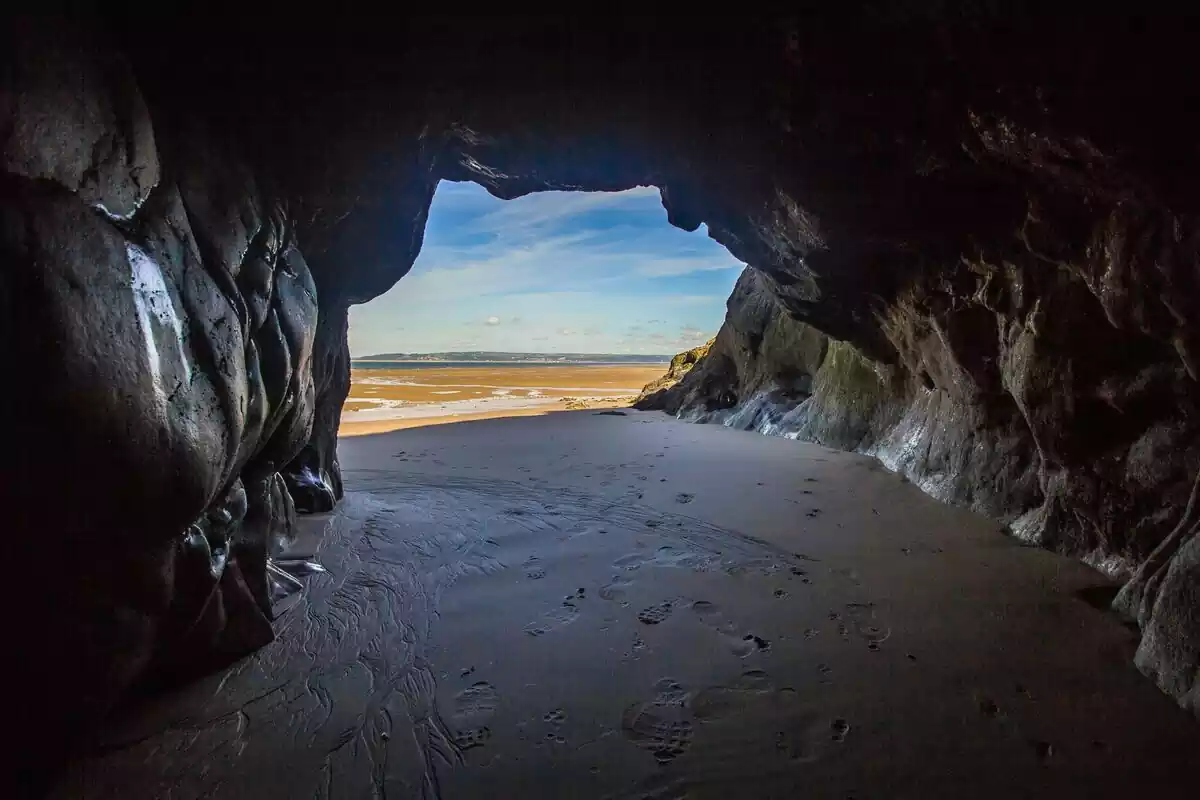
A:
[385,399]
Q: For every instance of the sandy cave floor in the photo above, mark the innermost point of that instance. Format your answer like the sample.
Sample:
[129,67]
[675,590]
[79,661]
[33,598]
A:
[621,605]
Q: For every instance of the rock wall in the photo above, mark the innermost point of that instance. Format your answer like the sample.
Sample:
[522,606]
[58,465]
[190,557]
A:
[158,319]
[986,221]
[1111,489]
[680,366]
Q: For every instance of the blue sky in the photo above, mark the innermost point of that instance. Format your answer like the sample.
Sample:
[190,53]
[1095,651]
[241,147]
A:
[551,272]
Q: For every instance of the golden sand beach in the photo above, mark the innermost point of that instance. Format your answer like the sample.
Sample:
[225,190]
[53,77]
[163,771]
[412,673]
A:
[386,399]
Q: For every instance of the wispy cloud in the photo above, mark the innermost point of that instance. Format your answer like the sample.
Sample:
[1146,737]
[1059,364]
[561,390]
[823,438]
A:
[560,264]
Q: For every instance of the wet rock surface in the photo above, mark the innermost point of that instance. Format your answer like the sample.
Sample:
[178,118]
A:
[962,436]
[159,320]
[986,224]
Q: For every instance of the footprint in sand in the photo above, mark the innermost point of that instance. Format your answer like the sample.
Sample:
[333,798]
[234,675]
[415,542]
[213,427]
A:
[616,590]
[670,692]
[472,737]
[652,728]
[631,561]
[684,498]
[741,645]
[710,614]
[473,707]
[554,619]
[663,725]
[748,645]
[762,716]
[533,570]
[655,614]
[862,620]
[478,699]
[839,729]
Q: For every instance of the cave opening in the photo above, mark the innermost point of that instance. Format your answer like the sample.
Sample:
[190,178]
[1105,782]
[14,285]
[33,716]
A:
[547,302]
[971,295]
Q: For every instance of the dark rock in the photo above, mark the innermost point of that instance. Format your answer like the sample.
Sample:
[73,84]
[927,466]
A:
[680,365]
[160,318]
[759,350]
[313,476]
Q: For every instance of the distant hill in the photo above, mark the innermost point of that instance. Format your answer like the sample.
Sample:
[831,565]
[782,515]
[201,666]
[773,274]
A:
[550,358]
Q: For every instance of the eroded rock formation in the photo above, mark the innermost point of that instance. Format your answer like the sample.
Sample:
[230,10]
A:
[679,367]
[159,321]
[1121,502]
[986,222]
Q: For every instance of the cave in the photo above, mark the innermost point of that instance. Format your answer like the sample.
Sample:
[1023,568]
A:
[973,248]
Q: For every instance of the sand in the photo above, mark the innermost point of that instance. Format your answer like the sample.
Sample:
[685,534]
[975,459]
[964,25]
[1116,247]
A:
[622,605]
[383,400]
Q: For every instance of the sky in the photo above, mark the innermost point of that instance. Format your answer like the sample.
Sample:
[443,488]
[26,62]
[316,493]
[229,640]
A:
[584,272]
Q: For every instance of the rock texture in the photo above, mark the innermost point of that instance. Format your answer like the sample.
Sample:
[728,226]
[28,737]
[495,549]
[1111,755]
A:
[680,366]
[1127,513]
[990,214]
[158,320]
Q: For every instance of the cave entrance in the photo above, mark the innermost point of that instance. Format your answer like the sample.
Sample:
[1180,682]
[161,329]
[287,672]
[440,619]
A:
[552,301]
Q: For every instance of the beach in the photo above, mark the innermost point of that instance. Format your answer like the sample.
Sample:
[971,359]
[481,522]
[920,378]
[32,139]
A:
[387,396]
[617,604]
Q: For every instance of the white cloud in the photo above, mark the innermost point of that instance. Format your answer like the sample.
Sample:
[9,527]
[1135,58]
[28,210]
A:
[548,268]
[674,267]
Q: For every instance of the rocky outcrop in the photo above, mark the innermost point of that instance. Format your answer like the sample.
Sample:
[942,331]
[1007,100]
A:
[680,365]
[956,430]
[974,238]
[158,320]
[760,352]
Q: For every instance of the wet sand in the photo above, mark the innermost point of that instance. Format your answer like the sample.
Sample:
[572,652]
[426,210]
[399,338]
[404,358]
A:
[383,400]
[622,605]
